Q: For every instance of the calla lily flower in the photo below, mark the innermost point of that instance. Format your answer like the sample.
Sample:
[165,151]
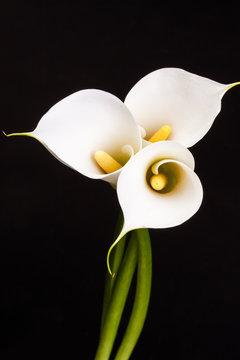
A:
[85,122]
[175,202]
[158,188]
[186,102]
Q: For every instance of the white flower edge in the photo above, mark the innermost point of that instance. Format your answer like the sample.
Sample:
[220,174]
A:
[142,206]
[85,122]
[187,102]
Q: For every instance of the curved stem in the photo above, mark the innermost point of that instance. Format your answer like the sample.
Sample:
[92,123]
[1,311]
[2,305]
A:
[143,291]
[117,302]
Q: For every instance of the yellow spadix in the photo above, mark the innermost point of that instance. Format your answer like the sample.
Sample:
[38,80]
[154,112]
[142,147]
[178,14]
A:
[106,162]
[162,134]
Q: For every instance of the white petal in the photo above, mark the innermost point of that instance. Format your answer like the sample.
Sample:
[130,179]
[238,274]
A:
[144,207]
[84,122]
[187,102]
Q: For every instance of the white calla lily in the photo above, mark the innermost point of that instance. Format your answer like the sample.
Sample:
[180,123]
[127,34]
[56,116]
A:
[85,122]
[186,102]
[145,207]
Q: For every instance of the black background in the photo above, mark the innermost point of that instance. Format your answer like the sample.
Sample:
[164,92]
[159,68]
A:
[57,225]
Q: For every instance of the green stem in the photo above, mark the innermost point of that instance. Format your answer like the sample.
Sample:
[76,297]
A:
[143,291]
[109,283]
[116,261]
[117,302]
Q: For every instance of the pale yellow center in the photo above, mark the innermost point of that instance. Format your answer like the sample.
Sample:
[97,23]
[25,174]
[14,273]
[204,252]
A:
[158,182]
[106,162]
[162,134]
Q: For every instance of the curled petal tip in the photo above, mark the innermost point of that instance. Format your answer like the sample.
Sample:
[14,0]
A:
[231,86]
[108,261]
[120,236]
[5,133]
[15,134]
[29,134]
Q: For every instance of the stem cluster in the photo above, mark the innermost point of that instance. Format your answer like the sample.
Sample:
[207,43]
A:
[137,256]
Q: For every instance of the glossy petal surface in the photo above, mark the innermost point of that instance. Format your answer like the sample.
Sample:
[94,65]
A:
[144,207]
[170,96]
[84,122]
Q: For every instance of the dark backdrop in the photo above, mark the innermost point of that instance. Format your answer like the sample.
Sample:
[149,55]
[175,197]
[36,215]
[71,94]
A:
[56,225]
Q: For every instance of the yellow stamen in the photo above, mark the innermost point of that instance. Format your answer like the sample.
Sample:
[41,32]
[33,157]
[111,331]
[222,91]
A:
[106,162]
[161,134]
[158,182]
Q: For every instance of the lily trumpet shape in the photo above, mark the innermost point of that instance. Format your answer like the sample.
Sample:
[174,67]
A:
[83,123]
[143,203]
